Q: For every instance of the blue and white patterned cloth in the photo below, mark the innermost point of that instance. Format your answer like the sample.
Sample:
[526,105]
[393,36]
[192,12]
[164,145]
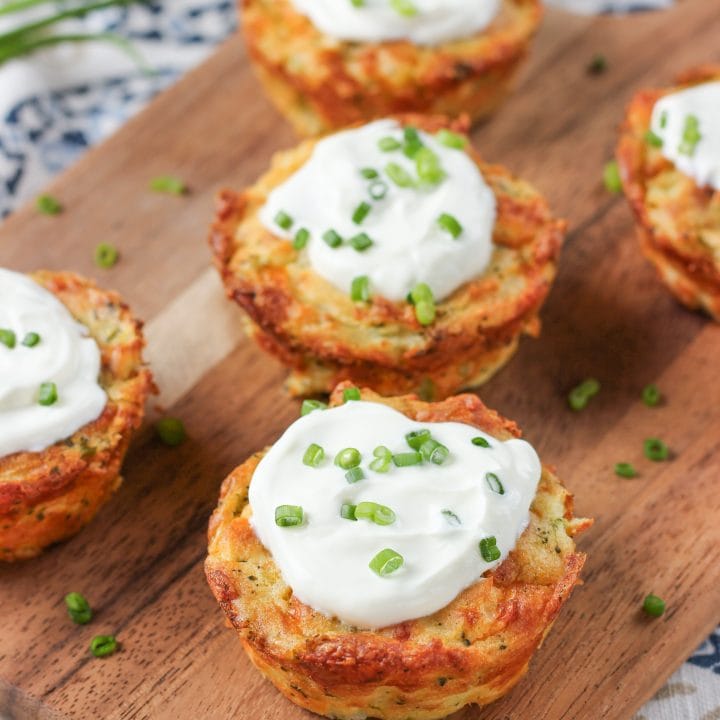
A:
[57,103]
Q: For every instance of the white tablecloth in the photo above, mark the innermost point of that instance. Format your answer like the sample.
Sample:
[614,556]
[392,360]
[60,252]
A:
[57,103]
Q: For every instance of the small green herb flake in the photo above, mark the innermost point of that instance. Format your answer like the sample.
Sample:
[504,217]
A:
[168,184]
[360,289]
[480,442]
[8,338]
[31,339]
[301,238]
[597,65]
[489,549]
[378,190]
[48,205]
[656,450]
[106,255]
[361,212]
[313,456]
[309,406]
[378,514]
[357,3]
[493,482]
[289,515]
[354,475]
[78,608]
[347,511]
[691,136]
[399,175]
[625,470]
[348,458]
[653,606]
[450,139]
[450,225]
[653,139]
[351,393]
[369,173]
[407,459]
[171,431]
[452,518]
[427,165]
[332,238]
[580,396]
[651,396]
[103,645]
[283,220]
[361,242]
[389,144]
[48,394]
[386,562]
[406,8]
[611,177]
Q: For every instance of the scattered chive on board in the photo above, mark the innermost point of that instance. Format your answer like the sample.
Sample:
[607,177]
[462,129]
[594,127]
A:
[48,205]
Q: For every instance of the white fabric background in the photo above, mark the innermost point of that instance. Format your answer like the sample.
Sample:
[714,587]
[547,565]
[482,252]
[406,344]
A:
[57,103]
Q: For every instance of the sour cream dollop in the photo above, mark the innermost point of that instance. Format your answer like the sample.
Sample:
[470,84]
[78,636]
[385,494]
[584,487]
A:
[432,22]
[409,246]
[63,354]
[442,513]
[688,123]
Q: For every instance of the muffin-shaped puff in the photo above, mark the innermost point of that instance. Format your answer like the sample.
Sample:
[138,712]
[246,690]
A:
[325,338]
[678,222]
[49,495]
[322,84]
[474,650]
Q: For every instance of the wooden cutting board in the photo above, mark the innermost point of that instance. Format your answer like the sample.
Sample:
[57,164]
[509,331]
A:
[140,561]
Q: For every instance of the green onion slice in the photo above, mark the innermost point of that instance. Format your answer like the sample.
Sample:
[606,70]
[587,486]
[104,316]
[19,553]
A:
[399,175]
[332,238]
[48,205]
[360,289]
[653,140]
[48,394]
[30,340]
[451,517]
[78,608]
[611,177]
[354,475]
[301,238]
[654,606]
[369,173]
[387,561]
[625,470]
[449,224]
[288,515]
[103,645]
[378,189]
[450,139]
[480,442]
[417,437]
[8,338]
[347,511]
[656,450]
[407,459]
[581,395]
[348,458]
[406,8]
[494,483]
[361,242]
[651,396]
[388,144]
[351,393]
[106,255]
[434,452]
[379,514]
[428,167]
[314,455]
[691,135]
[168,184]
[361,212]
[489,549]
[309,406]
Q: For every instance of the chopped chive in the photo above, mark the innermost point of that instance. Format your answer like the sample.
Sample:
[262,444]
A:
[8,338]
[494,483]
[348,458]
[428,167]
[450,225]
[382,452]
[106,255]
[399,175]
[168,184]
[378,189]
[653,606]
[103,645]
[48,394]
[406,8]
[382,461]
[425,312]
[360,289]
[651,396]
[309,406]
[597,65]
[361,242]
[434,452]
[653,140]
[417,437]
[611,177]
[289,515]
[313,456]
[332,238]
[489,549]
[579,396]
[78,608]
[369,173]
[347,512]
[406,459]
[357,3]
[48,205]
[419,293]
[663,119]
[354,475]
[387,561]
[413,144]
[480,442]
[351,393]
[30,340]
[656,450]
[450,139]
[388,144]
[301,238]
[171,431]
[452,518]
[691,135]
[379,514]
[361,212]
[625,470]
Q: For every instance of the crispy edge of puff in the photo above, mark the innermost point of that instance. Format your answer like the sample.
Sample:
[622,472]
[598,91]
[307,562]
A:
[474,650]
[321,84]
[382,344]
[669,207]
[48,496]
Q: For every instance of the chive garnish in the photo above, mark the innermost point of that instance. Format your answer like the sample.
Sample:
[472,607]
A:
[8,338]
[651,396]
[494,483]
[378,190]
[382,461]
[416,438]
[407,459]
[451,139]
[106,255]
[48,205]
[361,242]
[611,177]
[309,406]
[625,470]
[653,140]
[332,238]
[48,394]
[653,606]
[78,608]
[168,184]
[313,456]
[171,431]
[489,549]
[399,175]
[387,561]
[369,173]
[347,511]
[691,135]
[656,450]
[379,514]
[434,452]
[406,8]
[580,396]
[288,515]
[452,518]
[30,340]
[413,144]
[360,289]
[480,442]
[301,238]
[428,167]
[450,224]
[351,393]
[354,475]
[348,458]
[361,212]
[103,645]
[283,220]
[388,144]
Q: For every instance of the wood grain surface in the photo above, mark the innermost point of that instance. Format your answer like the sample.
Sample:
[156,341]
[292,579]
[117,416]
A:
[140,561]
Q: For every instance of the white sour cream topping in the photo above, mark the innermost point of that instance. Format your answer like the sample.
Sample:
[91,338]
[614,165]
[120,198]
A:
[701,160]
[64,355]
[408,245]
[593,7]
[434,22]
[325,560]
